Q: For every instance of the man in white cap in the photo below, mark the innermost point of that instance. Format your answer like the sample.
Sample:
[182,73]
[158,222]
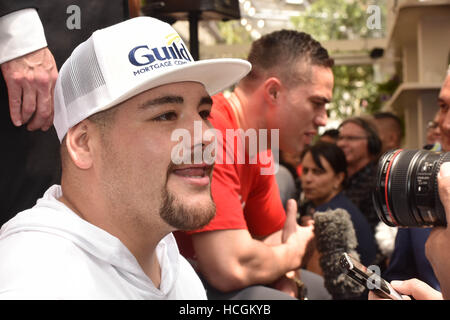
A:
[105,233]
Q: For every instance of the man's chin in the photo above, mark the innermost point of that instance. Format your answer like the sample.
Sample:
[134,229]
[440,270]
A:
[188,212]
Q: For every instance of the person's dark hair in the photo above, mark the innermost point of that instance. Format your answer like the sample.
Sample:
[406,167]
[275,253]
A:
[332,153]
[373,140]
[102,120]
[332,133]
[394,118]
[275,53]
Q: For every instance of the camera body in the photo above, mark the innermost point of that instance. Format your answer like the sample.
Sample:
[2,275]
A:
[406,191]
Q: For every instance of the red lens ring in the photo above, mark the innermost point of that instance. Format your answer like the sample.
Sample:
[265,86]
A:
[386,186]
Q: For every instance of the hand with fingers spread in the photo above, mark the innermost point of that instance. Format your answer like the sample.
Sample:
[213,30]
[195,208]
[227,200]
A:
[31,80]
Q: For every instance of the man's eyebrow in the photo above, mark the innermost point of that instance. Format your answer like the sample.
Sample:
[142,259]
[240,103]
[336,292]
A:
[162,100]
[206,100]
[172,100]
[321,98]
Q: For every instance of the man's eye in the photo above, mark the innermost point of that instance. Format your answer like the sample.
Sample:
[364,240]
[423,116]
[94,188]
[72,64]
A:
[169,116]
[318,105]
[205,114]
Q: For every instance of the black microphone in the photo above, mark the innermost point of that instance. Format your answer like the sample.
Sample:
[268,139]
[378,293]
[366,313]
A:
[334,235]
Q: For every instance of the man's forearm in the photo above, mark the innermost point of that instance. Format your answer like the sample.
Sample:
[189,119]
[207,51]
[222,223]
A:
[232,260]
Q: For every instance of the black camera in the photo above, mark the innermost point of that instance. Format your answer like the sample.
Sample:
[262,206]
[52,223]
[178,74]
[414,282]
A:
[406,190]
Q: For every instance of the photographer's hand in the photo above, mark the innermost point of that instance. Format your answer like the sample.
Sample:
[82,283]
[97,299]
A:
[437,247]
[415,288]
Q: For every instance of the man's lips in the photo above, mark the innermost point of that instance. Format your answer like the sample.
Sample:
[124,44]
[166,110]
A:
[195,174]
[309,135]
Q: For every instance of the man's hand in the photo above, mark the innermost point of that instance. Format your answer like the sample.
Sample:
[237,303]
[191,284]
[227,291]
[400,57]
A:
[290,225]
[298,237]
[31,80]
[438,244]
[286,285]
[415,288]
[291,284]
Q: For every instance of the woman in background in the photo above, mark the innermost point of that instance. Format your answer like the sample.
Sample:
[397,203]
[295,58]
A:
[323,178]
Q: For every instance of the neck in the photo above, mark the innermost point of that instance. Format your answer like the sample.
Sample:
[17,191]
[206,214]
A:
[139,240]
[248,111]
[319,202]
[239,103]
[250,115]
[354,168]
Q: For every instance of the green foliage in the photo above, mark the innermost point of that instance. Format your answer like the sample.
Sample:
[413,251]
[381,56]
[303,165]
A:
[355,90]
[339,19]
[233,32]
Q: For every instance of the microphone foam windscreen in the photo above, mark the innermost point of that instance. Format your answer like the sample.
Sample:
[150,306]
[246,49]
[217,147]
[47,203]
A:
[335,234]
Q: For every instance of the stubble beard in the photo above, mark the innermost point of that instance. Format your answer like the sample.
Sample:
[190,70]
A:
[183,217]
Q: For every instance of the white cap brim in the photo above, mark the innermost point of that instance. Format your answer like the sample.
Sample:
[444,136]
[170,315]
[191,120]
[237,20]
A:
[215,74]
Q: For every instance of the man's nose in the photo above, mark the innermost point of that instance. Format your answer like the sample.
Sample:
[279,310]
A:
[444,122]
[321,119]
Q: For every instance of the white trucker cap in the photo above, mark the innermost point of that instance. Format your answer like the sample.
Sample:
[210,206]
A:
[121,61]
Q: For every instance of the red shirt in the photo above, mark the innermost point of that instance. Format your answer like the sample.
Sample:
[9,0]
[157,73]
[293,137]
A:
[244,198]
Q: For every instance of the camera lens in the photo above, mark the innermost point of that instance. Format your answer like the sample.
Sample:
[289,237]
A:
[406,191]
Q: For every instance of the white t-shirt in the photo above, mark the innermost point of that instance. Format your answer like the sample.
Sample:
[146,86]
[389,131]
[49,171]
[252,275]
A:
[49,252]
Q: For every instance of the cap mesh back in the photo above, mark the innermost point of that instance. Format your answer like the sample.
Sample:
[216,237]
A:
[83,74]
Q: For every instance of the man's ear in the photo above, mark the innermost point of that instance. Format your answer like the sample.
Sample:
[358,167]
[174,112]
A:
[78,144]
[272,88]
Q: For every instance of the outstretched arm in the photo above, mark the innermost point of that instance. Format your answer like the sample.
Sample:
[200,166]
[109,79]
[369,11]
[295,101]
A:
[232,259]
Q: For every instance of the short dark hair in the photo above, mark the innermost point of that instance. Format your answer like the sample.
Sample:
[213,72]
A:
[393,117]
[102,120]
[332,153]
[332,133]
[278,51]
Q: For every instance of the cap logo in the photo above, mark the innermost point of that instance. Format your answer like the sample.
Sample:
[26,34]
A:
[122,61]
[172,37]
[174,53]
